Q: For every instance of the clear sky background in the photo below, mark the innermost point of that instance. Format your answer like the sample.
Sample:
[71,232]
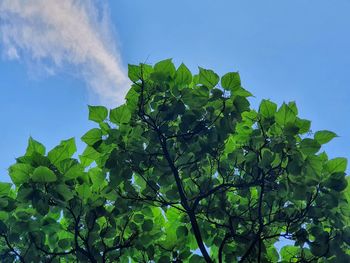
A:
[284,50]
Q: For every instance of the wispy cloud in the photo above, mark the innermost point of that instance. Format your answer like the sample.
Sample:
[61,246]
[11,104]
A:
[60,33]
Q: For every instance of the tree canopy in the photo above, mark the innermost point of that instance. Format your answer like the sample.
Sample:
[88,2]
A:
[184,171]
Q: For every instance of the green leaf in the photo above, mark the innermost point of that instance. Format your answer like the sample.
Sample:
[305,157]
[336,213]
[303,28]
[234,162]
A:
[313,166]
[324,136]
[146,71]
[267,108]
[231,81]
[318,248]
[195,98]
[74,172]
[92,136]
[41,205]
[346,235]
[63,151]
[241,93]
[43,174]
[181,231]
[285,115]
[196,259]
[64,191]
[147,225]
[97,176]
[97,113]
[289,252]
[303,125]
[267,158]
[336,165]
[104,126]
[164,259]
[34,146]
[165,67]
[84,191]
[132,98]
[336,181]
[5,188]
[272,254]
[309,146]
[134,72]
[208,78]
[20,172]
[89,155]
[138,218]
[120,115]
[293,106]
[64,243]
[183,76]
[3,227]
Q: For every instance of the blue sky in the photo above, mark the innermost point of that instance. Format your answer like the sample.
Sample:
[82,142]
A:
[284,50]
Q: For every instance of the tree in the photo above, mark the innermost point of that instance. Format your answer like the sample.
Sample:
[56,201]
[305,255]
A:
[184,171]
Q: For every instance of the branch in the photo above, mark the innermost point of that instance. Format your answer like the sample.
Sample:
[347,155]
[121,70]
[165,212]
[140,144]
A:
[261,225]
[12,249]
[184,202]
[218,188]
[222,245]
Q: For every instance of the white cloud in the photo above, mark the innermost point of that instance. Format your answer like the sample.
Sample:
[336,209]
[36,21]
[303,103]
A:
[66,32]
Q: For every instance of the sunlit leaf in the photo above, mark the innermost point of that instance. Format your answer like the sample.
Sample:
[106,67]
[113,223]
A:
[43,174]
[208,77]
[35,146]
[120,115]
[97,113]
[267,108]
[63,151]
[285,115]
[336,165]
[324,136]
[20,172]
[231,81]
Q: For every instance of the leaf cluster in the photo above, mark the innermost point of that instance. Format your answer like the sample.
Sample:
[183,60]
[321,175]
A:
[184,171]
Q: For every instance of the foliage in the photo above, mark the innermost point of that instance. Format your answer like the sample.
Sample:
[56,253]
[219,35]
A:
[184,171]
